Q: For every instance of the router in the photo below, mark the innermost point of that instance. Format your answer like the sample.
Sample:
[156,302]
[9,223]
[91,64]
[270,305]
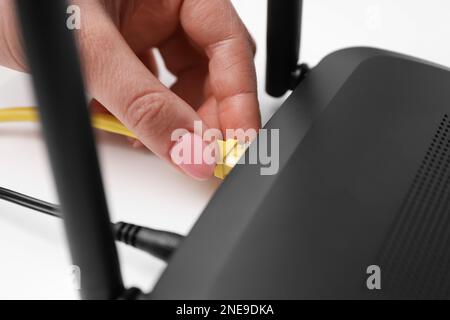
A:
[364,181]
[360,207]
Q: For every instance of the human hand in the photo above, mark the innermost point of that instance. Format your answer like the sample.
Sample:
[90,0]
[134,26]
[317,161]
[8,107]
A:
[203,43]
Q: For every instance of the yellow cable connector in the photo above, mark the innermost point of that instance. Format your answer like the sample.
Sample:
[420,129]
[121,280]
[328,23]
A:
[230,153]
[230,150]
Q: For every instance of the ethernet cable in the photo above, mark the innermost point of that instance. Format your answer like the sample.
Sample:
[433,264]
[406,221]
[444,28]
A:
[230,150]
[100,121]
[158,243]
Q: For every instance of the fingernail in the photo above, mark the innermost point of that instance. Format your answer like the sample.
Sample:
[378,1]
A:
[192,155]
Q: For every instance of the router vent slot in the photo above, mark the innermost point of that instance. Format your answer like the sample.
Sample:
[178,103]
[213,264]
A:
[415,260]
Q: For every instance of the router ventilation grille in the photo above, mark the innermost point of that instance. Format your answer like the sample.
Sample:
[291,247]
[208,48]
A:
[415,262]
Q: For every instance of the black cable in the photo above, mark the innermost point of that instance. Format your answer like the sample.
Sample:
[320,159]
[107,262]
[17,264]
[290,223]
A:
[29,202]
[158,243]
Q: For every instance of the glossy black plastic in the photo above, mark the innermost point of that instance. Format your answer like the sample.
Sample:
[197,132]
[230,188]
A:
[53,61]
[283,45]
[364,180]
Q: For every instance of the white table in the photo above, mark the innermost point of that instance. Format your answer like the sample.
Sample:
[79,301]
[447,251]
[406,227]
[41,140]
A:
[142,189]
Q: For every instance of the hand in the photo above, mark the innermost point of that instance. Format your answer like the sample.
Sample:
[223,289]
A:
[203,43]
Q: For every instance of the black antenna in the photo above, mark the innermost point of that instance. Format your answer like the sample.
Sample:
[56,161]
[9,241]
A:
[58,84]
[283,46]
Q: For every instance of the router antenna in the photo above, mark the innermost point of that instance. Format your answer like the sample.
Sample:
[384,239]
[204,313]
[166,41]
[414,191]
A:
[58,85]
[283,46]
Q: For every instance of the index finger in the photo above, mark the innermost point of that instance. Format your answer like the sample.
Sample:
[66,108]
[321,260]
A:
[215,26]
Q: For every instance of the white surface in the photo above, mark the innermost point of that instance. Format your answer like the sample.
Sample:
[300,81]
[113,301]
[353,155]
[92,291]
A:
[142,189]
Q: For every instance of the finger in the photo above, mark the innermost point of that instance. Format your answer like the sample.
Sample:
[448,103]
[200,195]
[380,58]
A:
[121,82]
[97,107]
[11,49]
[135,143]
[209,112]
[188,65]
[148,59]
[215,26]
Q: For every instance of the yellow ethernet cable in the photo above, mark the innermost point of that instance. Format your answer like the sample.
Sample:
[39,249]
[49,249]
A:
[100,121]
[230,150]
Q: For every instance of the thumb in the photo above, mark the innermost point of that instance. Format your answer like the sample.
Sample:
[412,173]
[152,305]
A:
[120,81]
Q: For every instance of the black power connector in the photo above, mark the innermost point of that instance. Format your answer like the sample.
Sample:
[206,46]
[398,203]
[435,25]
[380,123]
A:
[158,243]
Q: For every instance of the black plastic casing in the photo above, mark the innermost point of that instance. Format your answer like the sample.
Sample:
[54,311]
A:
[363,181]
[58,85]
[283,45]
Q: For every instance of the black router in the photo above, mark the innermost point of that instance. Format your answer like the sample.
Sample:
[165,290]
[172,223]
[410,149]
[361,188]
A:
[363,185]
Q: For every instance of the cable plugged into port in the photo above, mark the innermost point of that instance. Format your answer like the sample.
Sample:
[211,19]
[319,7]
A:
[158,243]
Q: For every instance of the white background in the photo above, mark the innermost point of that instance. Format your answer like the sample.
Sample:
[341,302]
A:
[142,189]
